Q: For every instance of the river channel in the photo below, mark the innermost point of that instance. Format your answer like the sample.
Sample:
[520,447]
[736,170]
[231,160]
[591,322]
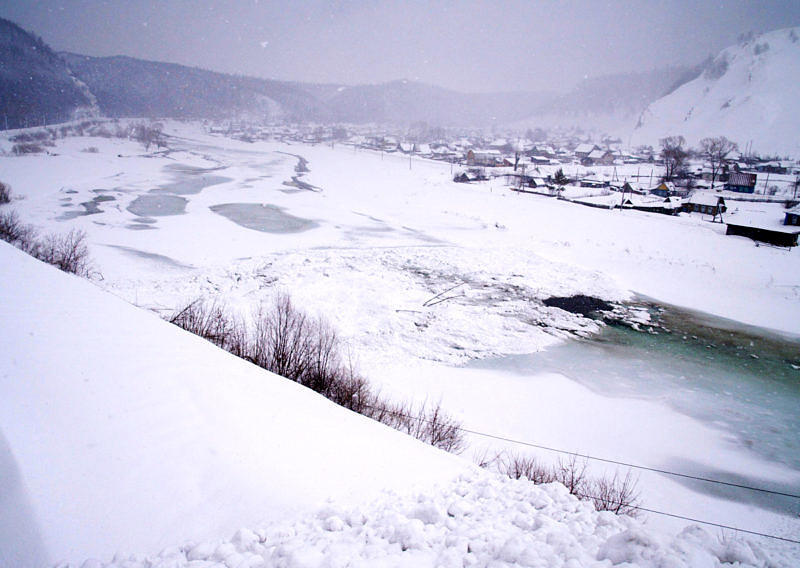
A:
[741,379]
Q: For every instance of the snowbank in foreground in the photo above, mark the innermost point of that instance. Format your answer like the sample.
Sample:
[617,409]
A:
[125,433]
[478,520]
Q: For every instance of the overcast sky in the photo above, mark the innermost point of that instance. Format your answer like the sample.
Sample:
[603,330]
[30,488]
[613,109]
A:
[464,45]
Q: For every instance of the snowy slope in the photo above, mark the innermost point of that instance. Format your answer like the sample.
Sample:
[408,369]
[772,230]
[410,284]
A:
[130,434]
[749,93]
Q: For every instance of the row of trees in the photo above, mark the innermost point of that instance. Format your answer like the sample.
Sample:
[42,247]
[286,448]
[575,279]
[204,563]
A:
[675,154]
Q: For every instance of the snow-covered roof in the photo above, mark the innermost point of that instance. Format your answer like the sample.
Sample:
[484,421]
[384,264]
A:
[703,198]
[768,223]
[584,148]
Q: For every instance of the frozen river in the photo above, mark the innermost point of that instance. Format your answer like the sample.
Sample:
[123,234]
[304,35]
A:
[742,380]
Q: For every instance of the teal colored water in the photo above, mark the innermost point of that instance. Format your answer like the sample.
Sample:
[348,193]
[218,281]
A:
[743,380]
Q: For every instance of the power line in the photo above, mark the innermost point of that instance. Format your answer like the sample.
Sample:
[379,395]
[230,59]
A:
[638,508]
[634,466]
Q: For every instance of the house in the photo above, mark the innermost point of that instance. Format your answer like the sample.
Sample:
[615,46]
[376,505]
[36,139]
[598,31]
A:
[486,158]
[583,150]
[627,187]
[764,230]
[773,167]
[522,181]
[593,182]
[601,157]
[423,149]
[741,182]
[664,189]
[706,203]
[665,205]
[792,216]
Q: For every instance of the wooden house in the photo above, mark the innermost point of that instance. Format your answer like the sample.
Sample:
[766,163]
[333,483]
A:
[741,182]
[765,231]
[583,150]
[486,158]
[664,189]
[706,203]
[792,216]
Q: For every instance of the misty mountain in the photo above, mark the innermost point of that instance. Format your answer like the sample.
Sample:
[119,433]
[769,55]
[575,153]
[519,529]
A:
[609,103]
[38,82]
[408,101]
[125,86]
[748,93]
[35,84]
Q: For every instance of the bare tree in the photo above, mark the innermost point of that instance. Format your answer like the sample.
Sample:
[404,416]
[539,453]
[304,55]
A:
[148,134]
[674,155]
[716,151]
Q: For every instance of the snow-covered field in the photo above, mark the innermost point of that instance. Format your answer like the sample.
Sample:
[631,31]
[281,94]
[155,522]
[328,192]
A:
[187,443]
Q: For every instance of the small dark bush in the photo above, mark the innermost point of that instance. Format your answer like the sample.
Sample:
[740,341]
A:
[35,136]
[5,193]
[26,148]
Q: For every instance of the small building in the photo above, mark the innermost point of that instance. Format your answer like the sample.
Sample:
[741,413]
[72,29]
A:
[764,230]
[598,157]
[792,216]
[706,203]
[664,189]
[486,158]
[583,150]
[628,187]
[741,182]
[593,183]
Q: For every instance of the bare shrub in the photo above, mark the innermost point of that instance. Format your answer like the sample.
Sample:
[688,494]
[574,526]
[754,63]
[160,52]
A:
[209,321]
[442,431]
[26,148]
[13,231]
[571,473]
[282,339]
[67,252]
[5,193]
[485,458]
[289,343]
[615,494]
[517,466]
[91,150]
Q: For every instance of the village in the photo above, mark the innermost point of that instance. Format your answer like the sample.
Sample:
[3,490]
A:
[569,166]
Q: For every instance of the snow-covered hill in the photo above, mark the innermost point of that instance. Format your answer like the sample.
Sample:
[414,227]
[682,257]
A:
[748,93]
[121,432]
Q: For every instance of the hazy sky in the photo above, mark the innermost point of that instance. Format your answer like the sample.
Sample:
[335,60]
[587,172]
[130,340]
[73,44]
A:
[464,45]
